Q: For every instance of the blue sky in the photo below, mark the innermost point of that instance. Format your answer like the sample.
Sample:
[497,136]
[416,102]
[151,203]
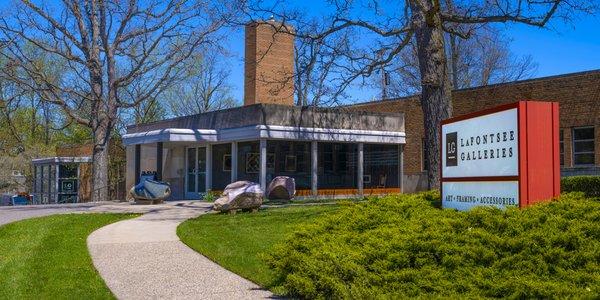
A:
[566,48]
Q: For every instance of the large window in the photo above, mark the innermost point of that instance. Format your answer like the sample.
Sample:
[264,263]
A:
[380,166]
[67,171]
[337,165]
[45,183]
[67,183]
[286,158]
[221,174]
[249,161]
[583,146]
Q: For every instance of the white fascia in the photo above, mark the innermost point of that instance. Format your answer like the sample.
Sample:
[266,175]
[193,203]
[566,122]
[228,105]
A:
[265,132]
[170,135]
[54,160]
[331,135]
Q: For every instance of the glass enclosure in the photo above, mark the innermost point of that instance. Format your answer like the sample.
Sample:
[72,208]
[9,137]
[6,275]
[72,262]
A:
[292,159]
[196,172]
[380,166]
[221,166]
[249,161]
[56,183]
[337,168]
[68,184]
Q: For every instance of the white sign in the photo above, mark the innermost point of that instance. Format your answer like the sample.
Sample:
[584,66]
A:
[467,194]
[481,146]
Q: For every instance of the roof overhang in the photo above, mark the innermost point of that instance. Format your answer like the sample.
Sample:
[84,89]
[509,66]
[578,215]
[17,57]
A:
[256,132]
[170,135]
[58,160]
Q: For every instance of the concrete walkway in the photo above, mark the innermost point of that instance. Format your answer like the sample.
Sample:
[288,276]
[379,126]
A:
[143,258]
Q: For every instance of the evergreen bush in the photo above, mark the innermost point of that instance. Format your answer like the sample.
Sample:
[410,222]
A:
[402,246]
[589,185]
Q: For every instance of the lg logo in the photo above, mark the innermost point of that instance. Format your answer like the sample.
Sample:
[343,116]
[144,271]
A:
[451,149]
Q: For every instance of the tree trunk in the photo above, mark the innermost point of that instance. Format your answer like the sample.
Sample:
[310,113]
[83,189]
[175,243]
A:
[454,61]
[46,125]
[454,52]
[100,163]
[436,87]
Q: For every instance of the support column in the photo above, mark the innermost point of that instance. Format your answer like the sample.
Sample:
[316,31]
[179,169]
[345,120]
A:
[137,162]
[314,167]
[50,184]
[401,168]
[208,170]
[159,161]
[234,161]
[56,179]
[360,169]
[34,172]
[263,164]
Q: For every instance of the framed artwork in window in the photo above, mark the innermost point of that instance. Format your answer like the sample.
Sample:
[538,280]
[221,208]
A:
[226,162]
[290,163]
[252,163]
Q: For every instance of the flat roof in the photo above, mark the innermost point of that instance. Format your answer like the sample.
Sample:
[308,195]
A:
[280,115]
[273,121]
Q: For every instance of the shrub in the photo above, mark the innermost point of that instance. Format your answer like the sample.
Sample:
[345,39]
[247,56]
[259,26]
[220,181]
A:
[401,246]
[589,185]
[210,196]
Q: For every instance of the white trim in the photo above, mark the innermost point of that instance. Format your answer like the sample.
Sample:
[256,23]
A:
[234,161]
[265,132]
[263,164]
[360,172]
[49,160]
[330,130]
[208,171]
[170,135]
[314,168]
[401,168]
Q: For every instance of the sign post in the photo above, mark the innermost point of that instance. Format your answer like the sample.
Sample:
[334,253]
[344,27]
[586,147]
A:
[503,156]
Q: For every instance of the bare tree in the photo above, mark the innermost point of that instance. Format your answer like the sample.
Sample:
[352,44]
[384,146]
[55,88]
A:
[106,45]
[484,58]
[205,87]
[316,62]
[390,26]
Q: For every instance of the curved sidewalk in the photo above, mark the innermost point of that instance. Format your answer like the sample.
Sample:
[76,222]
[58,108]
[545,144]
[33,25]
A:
[143,258]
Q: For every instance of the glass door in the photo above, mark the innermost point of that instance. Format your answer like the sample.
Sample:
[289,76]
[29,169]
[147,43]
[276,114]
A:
[195,172]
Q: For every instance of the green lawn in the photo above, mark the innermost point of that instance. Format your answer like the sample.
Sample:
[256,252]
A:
[47,258]
[237,242]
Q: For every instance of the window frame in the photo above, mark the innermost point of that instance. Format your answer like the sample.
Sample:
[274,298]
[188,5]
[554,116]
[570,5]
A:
[573,150]
[561,147]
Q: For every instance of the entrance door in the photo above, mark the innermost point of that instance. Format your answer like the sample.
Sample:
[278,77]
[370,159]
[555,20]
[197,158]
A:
[195,182]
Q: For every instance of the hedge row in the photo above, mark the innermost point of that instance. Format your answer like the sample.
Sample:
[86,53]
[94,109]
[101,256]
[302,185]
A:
[589,185]
[401,246]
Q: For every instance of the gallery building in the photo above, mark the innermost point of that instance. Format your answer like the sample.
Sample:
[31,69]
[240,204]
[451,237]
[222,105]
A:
[329,152]
[578,95]
[367,148]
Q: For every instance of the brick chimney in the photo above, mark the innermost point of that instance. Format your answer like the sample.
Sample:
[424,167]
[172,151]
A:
[269,63]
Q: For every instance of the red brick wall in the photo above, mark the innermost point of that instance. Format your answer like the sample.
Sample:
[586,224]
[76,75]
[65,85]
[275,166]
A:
[578,95]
